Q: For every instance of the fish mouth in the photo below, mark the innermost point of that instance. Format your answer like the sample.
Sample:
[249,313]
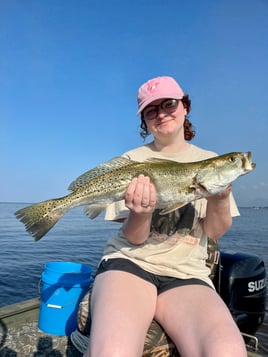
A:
[248,165]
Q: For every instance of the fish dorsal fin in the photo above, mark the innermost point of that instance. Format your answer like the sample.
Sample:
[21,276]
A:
[115,163]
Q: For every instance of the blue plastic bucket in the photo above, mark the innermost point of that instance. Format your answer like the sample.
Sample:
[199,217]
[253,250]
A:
[64,284]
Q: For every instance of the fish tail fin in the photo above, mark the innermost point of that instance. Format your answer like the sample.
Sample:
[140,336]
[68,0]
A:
[39,218]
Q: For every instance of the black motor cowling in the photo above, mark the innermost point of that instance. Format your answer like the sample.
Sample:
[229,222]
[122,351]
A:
[241,284]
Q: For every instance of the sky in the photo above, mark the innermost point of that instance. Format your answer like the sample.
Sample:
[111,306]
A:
[70,71]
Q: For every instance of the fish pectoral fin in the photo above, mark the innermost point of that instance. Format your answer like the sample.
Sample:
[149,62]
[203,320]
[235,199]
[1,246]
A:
[198,185]
[199,188]
[173,207]
[92,211]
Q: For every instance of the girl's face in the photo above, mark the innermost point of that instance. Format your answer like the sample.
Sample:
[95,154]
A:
[165,117]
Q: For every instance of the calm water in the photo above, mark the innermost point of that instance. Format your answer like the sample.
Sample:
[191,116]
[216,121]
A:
[76,238]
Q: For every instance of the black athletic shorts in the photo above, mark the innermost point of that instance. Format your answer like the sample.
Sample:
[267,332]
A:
[162,283]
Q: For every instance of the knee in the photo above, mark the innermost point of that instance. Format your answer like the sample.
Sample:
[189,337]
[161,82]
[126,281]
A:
[112,350]
[226,347]
[234,350]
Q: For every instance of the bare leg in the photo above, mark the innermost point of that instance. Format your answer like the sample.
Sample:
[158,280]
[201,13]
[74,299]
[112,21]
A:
[123,306]
[199,323]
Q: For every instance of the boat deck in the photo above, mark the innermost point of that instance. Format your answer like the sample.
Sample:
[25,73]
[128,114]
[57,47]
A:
[20,336]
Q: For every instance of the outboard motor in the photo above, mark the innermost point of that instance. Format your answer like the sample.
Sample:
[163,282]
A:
[241,284]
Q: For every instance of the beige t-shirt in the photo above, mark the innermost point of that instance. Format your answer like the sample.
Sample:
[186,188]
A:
[177,245]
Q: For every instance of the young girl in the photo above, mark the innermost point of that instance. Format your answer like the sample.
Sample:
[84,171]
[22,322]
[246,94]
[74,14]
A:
[155,267]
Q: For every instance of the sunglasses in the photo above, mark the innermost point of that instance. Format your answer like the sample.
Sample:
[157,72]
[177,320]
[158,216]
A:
[168,106]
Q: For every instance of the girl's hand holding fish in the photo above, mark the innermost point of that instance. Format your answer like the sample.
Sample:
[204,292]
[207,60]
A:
[140,196]
[221,195]
[218,206]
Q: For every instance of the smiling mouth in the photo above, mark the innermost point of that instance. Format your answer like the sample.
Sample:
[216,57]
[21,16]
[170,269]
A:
[164,122]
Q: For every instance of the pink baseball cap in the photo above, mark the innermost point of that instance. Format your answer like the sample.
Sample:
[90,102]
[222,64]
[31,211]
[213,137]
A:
[157,88]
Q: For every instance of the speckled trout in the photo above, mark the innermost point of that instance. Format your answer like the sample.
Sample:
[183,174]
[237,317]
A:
[176,184]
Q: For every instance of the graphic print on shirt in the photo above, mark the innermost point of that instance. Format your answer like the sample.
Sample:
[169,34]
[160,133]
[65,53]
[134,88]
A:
[175,226]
